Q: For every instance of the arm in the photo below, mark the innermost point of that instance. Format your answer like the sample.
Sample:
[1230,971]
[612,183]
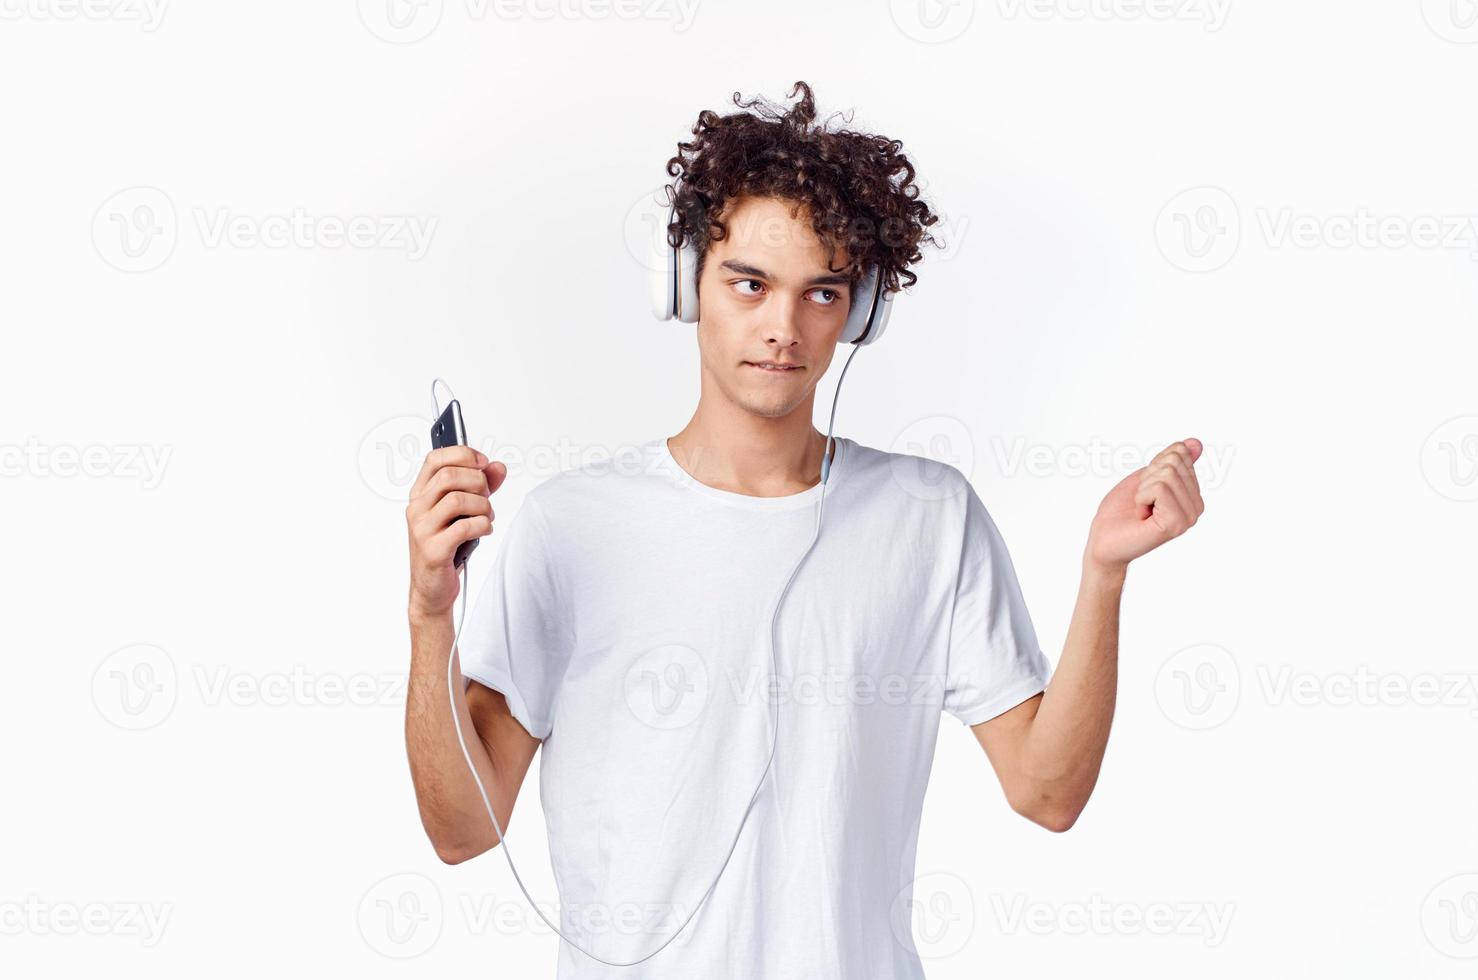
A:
[454,482]
[1047,751]
[451,808]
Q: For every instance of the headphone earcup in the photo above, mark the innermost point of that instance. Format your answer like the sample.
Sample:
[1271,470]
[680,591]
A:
[662,271]
[674,276]
[871,308]
[685,278]
[880,322]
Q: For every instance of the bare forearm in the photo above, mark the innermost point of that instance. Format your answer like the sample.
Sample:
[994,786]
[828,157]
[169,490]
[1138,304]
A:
[1065,746]
[451,808]
[1048,751]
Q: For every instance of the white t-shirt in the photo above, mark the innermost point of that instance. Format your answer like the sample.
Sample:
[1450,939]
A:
[626,617]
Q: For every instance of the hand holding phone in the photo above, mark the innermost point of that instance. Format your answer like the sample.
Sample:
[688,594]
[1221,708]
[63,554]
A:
[448,511]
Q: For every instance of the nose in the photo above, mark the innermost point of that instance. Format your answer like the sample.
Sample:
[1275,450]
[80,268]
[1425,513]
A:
[782,326]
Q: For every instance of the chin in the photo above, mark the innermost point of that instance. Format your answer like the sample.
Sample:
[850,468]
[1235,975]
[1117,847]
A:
[767,407]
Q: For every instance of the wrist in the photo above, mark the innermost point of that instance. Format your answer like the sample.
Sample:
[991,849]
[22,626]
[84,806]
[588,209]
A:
[420,617]
[1104,575]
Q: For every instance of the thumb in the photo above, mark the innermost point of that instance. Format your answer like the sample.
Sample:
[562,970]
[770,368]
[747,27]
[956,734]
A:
[1196,448]
[495,473]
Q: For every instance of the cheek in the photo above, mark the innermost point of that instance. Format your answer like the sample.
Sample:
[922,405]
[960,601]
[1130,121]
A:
[722,328]
[717,347]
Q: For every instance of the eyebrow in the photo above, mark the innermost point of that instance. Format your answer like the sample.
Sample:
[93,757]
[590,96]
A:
[744,269]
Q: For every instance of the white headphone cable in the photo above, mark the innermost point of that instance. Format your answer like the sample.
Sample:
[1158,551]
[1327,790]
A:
[452,658]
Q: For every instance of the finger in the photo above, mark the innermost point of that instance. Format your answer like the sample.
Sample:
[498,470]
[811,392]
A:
[1192,488]
[1173,451]
[1172,506]
[1183,456]
[1179,462]
[1159,486]
[1170,517]
[448,479]
[460,503]
[1188,499]
[495,473]
[446,456]
[442,546]
[1165,509]
[1149,488]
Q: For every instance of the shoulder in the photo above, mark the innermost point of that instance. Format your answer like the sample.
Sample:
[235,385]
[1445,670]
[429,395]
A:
[908,479]
[593,480]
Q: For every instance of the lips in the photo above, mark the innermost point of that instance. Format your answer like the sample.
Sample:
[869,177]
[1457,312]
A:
[773,368]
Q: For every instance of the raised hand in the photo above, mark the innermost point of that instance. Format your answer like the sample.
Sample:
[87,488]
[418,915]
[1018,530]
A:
[1148,507]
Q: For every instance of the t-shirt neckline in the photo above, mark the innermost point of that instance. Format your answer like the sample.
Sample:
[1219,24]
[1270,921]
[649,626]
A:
[788,501]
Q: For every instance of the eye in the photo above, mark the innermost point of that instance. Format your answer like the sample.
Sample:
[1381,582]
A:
[744,292]
[832,295]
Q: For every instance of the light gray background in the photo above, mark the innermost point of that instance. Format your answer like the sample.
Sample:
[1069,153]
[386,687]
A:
[1247,221]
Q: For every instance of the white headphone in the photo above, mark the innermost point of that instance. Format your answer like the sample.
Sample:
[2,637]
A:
[675,290]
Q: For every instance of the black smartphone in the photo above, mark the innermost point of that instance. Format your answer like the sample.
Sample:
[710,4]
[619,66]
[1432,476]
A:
[449,431]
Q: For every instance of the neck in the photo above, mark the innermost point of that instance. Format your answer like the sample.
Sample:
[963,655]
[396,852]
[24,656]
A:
[727,447]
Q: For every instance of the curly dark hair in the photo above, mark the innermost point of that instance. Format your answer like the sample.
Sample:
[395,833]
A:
[858,187]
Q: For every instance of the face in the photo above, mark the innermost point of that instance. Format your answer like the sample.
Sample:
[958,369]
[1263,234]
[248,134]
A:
[767,297]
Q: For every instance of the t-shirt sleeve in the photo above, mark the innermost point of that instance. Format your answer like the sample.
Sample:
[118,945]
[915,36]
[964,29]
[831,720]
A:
[517,637]
[995,662]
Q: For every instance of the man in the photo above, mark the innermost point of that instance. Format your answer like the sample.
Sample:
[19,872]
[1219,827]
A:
[625,625]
